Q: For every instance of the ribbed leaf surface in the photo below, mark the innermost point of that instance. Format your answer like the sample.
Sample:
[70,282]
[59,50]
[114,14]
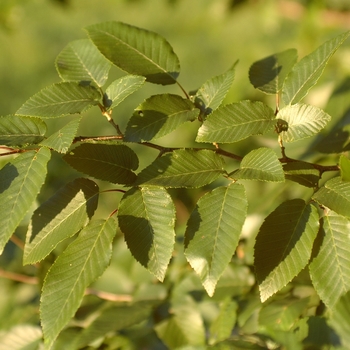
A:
[21,337]
[61,99]
[308,70]
[81,61]
[330,269]
[235,122]
[303,173]
[74,270]
[183,168]
[303,121]
[147,218]
[344,164]
[335,195]
[137,51]
[121,88]
[213,231]
[62,139]
[269,73]
[158,116]
[113,163]
[283,245]
[60,217]
[21,180]
[213,91]
[18,131]
[260,164]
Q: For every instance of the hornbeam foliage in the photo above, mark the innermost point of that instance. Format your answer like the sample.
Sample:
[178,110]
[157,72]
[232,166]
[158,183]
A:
[188,215]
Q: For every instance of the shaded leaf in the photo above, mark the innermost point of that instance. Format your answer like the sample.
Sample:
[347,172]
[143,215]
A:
[235,122]
[260,164]
[283,245]
[330,268]
[303,173]
[308,70]
[269,73]
[158,116]
[147,218]
[82,262]
[61,140]
[344,164]
[303,121]
[81,61]
[113,163]
[120,89]
[136,51]
[183,168]
[21,337]
[335,195]
[21,180]
[60,217]
[213,232]
[18,131]
[61,99]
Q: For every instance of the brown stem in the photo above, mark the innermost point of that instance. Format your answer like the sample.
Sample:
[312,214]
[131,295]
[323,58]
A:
[109,296]
[18,277]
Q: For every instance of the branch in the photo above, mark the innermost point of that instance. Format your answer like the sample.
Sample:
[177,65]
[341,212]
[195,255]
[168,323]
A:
[108,296]
[18,277]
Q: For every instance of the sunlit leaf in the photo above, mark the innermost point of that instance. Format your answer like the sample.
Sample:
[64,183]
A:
[21,337]
[146,217]
[61,99]
[303,121]
[82,262]
[113,163]
[235,122]
[335,195]
[183,168]
[158,116]
[260,164]
[60,217]
[303,173]
[344,164]
[137,51]
[308,70]
[213,231]
[21,180]
[18,131]
[330,268]
[283,245]
[81,61]
[269,73]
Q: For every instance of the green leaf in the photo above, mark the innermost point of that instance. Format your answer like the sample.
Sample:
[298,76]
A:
[303,121]
[81,61]
[235,122]
[61,140]
[344,164]
[335,195]
[330,268]
[21,180]
[120,89]
[308,70]
[158,116]
[283,245]
[147,218]
[136,51]
[303,173]
[269,73]
[18,131]
[183,168]
[211,94]
[82,262]
[60,217]
[113,163]
[21,337]
[213,231]
[260,164]
[61,99]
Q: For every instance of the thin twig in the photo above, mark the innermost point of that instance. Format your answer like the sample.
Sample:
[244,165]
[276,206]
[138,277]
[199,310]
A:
[109,296]
[18,242]
[18,277]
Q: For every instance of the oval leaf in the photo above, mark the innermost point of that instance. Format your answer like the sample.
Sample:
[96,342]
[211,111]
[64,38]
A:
[283,245]
[147,218]
[61,99]
[183,168]
[158,116]
[303,121]
[235,122]
[303,173]
[213,231]
[81,61]
[137,51]
[344,164]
